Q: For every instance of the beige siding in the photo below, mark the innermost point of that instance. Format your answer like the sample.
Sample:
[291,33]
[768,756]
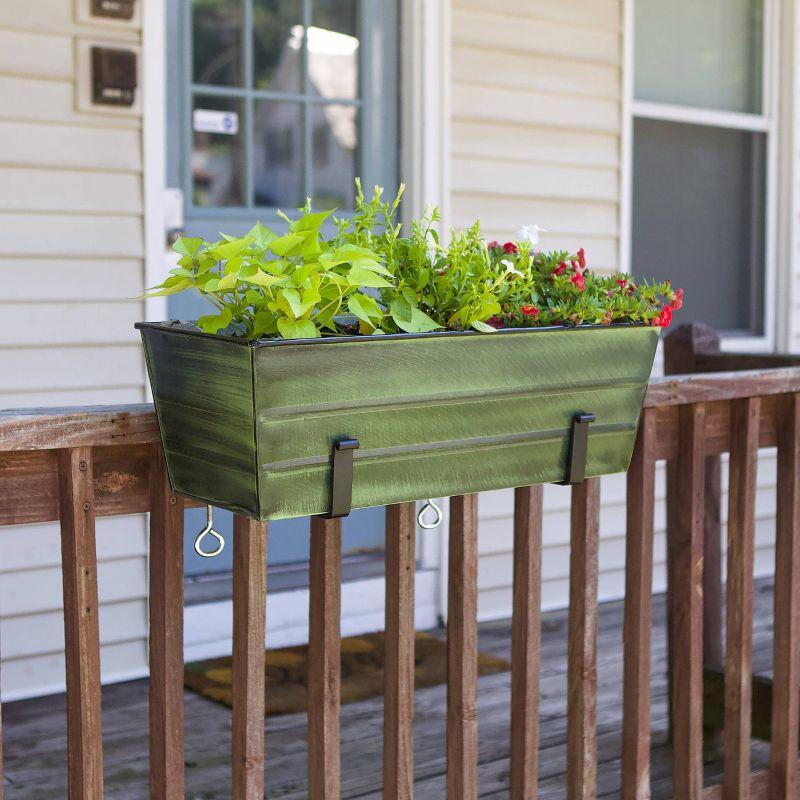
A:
[71,268]
[536,122]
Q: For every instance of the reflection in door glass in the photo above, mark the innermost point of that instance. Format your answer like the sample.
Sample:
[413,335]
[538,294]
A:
[217,42]
[278,45]
[335,145]
[217,156]
[278,154]
[333,51]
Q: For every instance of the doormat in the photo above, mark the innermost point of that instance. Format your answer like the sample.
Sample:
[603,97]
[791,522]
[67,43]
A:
[363,659]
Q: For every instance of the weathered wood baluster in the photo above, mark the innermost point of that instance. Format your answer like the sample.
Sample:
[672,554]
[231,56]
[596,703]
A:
[686,573]
[166,635]
[582,642]
[638,615]
[462,650]
[398,705]
[248,679]
[783,781]
[324,655]
[526,637]
[81,626]
[745,417]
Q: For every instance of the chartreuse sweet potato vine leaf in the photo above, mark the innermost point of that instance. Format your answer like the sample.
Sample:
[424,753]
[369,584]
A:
[369,278]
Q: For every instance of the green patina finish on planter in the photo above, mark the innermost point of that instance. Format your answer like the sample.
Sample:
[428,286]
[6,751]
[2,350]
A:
[249,427]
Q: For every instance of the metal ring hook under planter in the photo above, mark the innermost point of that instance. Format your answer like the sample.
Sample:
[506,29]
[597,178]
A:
[209,531]
[437,519]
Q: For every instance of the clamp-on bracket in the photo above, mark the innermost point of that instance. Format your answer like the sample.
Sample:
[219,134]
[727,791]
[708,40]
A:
[578,448]
[342,477]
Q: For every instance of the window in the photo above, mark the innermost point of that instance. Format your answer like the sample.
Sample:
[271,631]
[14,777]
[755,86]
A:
[702,142]
[290,99]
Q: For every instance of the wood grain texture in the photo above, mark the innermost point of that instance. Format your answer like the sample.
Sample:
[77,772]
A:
[81,624]
[248,663]
[166,635]
[739,604]
[93,426]
[398,704]
[686,576]
[462,650]
[638,619]
[526,637]
[582,641]
[324,659]
[783,781]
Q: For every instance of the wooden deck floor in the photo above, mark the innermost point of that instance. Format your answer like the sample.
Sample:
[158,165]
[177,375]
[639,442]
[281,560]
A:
[35,743]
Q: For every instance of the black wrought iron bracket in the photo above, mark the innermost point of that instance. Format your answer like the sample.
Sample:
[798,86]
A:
[578,449]
[342,477]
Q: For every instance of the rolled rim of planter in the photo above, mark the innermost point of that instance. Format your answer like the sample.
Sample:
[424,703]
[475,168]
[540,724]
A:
[250,426]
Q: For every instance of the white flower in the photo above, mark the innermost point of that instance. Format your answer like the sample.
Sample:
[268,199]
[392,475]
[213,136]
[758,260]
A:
[510,268]
[530,233]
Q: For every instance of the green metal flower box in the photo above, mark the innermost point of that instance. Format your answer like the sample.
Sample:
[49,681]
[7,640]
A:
[252,427]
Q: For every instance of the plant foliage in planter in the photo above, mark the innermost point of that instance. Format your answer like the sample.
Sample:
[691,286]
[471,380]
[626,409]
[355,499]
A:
[458,367]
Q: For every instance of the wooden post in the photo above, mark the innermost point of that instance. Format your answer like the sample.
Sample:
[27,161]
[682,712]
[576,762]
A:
[783,781]
[81,627]
[248,680]
[398,704]
[685,349]
[687,608]
[582,642]
[638,615]
[526,635]
[166,635]
[462,650]
[745,418]
[324,659]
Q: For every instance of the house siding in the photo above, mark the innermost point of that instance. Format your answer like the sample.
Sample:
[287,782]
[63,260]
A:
[71,264]
[536,127]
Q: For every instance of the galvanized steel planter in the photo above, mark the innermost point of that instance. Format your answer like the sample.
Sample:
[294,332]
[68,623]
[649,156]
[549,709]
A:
[250,427]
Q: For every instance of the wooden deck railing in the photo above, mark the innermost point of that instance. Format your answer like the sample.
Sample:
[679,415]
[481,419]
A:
[75,466]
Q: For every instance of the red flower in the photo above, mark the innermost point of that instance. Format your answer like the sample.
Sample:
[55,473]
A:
[510,248]
[493,244]
[665,317]
[677,302]
[582,258]
[560,269]
[496,322]
[529,311]
[622,283]
[578,281]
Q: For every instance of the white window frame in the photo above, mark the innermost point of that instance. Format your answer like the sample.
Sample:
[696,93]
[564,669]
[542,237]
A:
[767,122]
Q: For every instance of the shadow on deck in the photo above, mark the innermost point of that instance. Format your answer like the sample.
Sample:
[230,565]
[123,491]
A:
[35,730]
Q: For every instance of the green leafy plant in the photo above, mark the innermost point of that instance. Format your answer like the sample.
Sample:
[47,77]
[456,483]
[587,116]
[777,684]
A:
[369,278]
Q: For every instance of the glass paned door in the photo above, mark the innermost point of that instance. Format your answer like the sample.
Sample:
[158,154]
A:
[270,102]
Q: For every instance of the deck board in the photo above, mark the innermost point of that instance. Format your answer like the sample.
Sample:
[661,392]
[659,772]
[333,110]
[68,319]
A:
[35,730]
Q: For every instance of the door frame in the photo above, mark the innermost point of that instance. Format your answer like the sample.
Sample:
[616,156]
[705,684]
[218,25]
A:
[424,161]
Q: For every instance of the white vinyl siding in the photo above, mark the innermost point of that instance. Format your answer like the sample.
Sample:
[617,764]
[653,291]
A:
[72,270]
[537,125]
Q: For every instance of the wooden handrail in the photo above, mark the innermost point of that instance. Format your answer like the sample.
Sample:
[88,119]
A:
[686,420]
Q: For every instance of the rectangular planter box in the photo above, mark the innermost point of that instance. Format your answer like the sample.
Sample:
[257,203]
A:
[250,426]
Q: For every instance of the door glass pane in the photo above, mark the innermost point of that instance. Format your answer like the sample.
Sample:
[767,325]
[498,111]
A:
[217,42]
[217,153]
[278,45]
[335,149]
[278,154]
[705,53]
[698,216]
[333,50]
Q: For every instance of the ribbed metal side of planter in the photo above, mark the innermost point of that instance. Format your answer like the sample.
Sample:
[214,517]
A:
[250,427]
